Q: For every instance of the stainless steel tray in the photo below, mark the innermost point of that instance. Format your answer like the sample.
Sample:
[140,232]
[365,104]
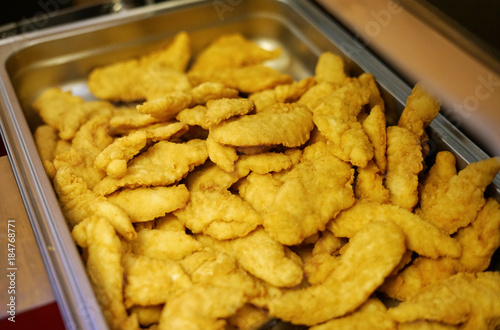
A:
[64,55]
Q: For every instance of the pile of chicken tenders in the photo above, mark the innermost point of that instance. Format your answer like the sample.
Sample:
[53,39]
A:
[210,191]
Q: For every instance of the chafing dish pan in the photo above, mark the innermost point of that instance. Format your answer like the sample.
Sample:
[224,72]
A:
[64,55]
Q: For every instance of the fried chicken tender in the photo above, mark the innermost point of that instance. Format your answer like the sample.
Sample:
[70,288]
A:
[371,315]
[324,258]
[479,241]
[306,198]
[167,106]
[421,237]
[379,247]
[218,213]
[148,316]
[470,299]
[125,120]
[404,163]
[223,109]
[66,112]
[232,50]
[113,159]
[248,317]
[375,127]
[285,93]
[46,139]
[287,124]
[161,165]
[151,281]
[146,204]
[313,97]
[454,204]
[420,110]
[375,99]
[164,244]
[90,140]
[78,203]
[247,79]
[207,267]
[336,119]
[194,116]
[201,307]
[261,256]
[369,184]
[122,81]
[222,155]
[212,91]
[104,267]
[329,69]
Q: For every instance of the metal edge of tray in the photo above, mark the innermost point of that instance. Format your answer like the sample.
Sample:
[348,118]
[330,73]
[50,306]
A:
[81,305]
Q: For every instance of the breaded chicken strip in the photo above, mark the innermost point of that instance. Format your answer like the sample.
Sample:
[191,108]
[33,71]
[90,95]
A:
[105,269]
[379,247]
[454,200]
[421,236]
[336,119]
[404,163]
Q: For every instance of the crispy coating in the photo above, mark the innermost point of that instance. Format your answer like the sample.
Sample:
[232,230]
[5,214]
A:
[146,204]
[161,165]
[78,203]
[455,203]
[287,124]
[420,109]
[123,81]
[66,112]
[369,184]
[470,299]
[207,267]
[336,119]
[222,109]
[404,163]
[167,106]
[147,315]
[104,267]
[270,261]
[212,91]
[324,257]
[306,198]
[329,69]
[113,159]
[481,238]
[479,241]
[375,99]
[232,50]
[194,116]
[127,119]
[375,127]
[248,79]
[371,315]
[379,246]
[90,140]
[201,307]
[285,93]
[164,244]
[314,95]
[222,155]
[248,317]
[46,139]
[151,281]
[421,237]
[218,213]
